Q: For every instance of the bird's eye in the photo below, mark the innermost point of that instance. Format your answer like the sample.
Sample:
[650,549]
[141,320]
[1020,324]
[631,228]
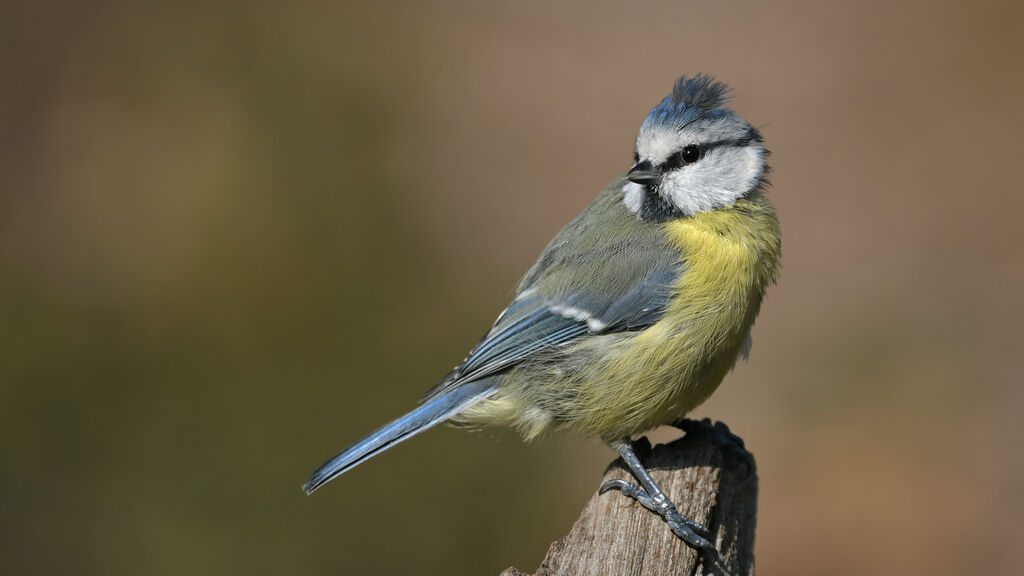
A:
[684,157]
[690,154]
[636,157]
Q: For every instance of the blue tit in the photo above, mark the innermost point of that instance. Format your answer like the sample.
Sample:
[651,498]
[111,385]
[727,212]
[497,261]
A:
[635,311]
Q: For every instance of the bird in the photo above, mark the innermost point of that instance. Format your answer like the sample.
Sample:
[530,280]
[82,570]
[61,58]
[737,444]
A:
[635,311]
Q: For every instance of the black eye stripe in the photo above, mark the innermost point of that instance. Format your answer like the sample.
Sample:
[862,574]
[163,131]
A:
[676,160]
[687,155]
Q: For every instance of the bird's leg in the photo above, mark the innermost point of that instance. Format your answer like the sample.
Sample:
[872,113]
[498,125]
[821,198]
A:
[650,496]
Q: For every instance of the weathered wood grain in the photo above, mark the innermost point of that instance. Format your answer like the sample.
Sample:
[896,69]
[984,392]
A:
[710,477]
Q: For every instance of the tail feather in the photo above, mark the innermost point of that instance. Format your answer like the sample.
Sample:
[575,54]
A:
[427,415]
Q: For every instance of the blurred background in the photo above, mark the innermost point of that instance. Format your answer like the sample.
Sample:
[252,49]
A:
[235,237]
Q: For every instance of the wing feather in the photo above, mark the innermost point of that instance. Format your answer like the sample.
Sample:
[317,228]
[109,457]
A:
[605,272]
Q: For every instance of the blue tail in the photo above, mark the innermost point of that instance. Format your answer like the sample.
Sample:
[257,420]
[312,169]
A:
[429,414]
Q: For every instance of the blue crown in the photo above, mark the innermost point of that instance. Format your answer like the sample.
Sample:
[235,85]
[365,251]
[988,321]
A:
[691,99]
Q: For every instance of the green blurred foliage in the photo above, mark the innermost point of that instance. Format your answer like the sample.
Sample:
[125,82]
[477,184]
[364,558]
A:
[235,237]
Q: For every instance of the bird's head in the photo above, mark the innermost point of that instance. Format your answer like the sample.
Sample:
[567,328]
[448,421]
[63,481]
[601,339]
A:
[693,155]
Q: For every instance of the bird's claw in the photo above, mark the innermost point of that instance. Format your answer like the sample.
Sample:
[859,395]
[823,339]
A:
[693,533]
[631,490]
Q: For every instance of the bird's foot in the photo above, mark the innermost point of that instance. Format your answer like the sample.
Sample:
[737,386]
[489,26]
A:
[717,432]
[693,533]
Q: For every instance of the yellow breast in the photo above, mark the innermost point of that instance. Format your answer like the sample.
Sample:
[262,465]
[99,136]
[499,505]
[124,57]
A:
[731,256]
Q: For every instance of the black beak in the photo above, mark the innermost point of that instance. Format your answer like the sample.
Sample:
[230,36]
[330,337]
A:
[643,173]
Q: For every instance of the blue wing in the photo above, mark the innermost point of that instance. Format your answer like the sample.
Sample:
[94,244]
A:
[605,272]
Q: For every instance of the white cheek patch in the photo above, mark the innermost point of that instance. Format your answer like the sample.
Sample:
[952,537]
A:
[719,179]
[633,196]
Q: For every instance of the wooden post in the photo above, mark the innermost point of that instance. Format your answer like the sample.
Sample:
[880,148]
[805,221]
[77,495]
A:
[708,475]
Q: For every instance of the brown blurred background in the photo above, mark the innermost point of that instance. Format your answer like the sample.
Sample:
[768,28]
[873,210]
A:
[235,237]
